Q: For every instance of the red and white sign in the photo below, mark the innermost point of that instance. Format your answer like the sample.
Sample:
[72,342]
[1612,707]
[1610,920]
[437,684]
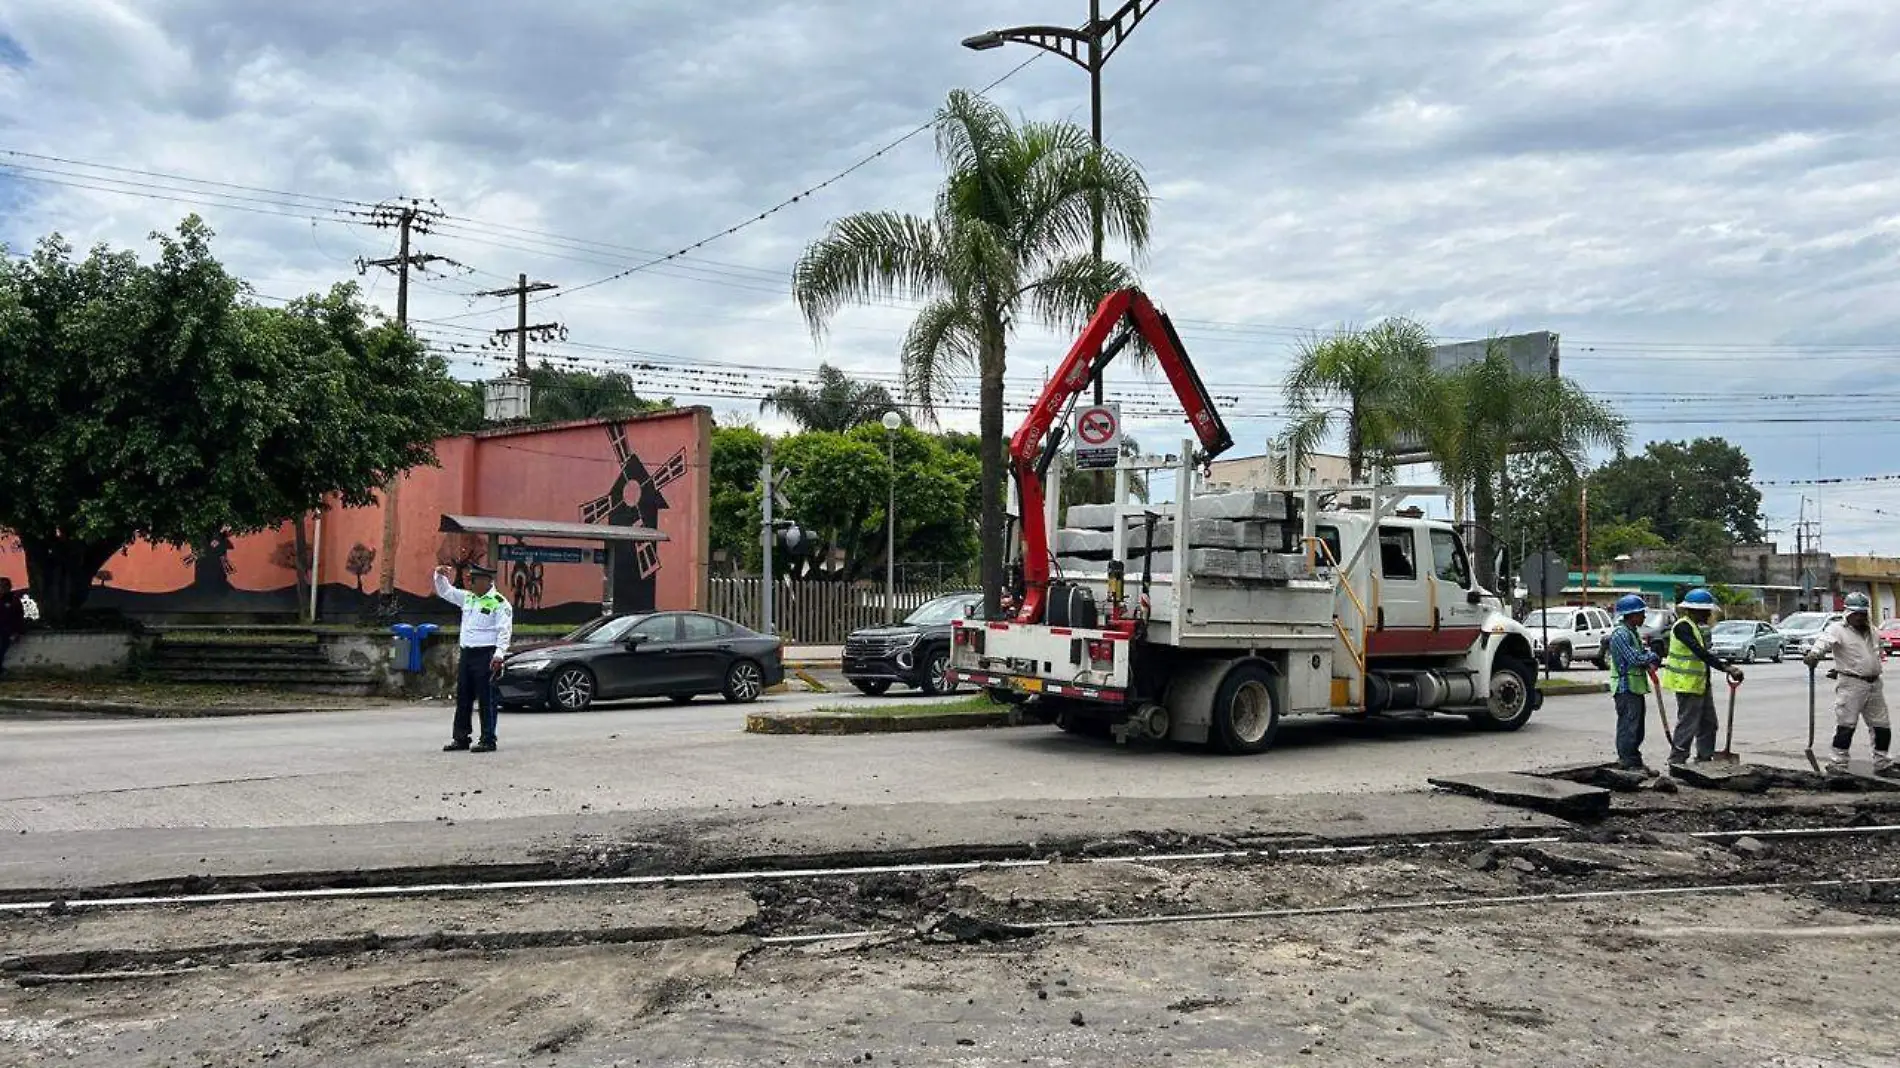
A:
[1098,437]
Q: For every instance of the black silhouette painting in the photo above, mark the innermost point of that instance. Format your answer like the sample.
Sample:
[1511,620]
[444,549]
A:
[211,568]
[634,500]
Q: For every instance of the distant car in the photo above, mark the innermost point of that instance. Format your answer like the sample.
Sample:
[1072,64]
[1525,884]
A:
[1890,636]
[1575,634]
[1655,632]
[1746,640]
[913,653]
[677,655]
[1798,631]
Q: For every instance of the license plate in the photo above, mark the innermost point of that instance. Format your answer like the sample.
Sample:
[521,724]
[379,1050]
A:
[1027,685]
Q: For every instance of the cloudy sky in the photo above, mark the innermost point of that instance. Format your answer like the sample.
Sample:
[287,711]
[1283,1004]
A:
[1700,197]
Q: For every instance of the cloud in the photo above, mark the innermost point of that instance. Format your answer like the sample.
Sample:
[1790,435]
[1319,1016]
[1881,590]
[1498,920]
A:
[1683,190]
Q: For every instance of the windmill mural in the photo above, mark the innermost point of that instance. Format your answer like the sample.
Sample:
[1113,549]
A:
[634,500]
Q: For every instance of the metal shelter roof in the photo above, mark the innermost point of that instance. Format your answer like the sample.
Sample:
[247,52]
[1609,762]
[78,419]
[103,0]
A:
[545,528]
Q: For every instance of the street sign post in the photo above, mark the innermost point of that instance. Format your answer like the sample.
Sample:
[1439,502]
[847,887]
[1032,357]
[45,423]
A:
[1098,437]
[1543,575]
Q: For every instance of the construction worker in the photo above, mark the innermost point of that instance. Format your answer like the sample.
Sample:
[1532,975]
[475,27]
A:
[1857,690]
[1685,672]
[1630,661]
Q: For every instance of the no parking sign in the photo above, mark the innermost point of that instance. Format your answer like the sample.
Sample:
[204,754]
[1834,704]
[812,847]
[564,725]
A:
[1098,437]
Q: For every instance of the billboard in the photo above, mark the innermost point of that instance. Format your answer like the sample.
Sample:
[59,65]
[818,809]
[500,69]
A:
[1530,354]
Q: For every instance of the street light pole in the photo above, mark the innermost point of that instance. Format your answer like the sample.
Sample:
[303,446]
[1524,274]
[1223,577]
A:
[1090,48]
[892,421]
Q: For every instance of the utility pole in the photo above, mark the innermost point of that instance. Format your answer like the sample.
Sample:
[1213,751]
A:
[521,330]
[409,218]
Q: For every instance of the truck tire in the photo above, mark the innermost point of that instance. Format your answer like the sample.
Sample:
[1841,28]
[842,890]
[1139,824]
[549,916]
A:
[1508,695]
[1246,716]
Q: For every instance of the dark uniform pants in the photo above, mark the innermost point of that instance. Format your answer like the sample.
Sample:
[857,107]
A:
[475,681]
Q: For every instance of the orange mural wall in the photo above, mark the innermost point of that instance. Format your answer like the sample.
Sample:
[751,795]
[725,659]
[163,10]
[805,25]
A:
[648,470]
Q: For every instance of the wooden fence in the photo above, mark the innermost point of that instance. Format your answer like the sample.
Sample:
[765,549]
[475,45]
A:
[817,613]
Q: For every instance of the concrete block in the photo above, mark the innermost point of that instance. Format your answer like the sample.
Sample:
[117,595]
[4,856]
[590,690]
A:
[1245,504]
[1555,796]
[1075,542]
[1090,517]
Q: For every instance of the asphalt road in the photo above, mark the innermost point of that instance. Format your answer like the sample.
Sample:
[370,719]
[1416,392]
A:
[368,767]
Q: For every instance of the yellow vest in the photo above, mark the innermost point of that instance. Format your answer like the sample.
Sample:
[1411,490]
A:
[1682,670]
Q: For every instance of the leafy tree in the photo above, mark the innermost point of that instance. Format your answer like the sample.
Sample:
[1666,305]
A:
[1372,377]
[1541,502]
[1703,548]
[155,401]
[837,403]
[1472,418]
[1614,539]
[559,396]
[1007,242]
[737,453]
[1677,482]
[838,487]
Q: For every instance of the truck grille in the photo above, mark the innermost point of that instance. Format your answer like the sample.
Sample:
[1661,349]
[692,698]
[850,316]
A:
[871,648]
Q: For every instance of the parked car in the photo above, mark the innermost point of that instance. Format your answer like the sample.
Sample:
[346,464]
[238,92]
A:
[1798,631]
[1655,632]
[1890,636]
[915,653]
[1746,640]
[1575,634]
[678,655]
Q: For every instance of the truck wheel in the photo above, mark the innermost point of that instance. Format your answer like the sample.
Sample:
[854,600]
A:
[1245,715]
[1508,697]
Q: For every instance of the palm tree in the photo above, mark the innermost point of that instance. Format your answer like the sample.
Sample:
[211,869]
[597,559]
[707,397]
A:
[1008,241]
[836,404]
[1473,418]
[1369,376]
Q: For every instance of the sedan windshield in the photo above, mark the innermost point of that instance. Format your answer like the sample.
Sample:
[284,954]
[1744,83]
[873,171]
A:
[1805,621]
[940,611]
[604,631]
[1734,628]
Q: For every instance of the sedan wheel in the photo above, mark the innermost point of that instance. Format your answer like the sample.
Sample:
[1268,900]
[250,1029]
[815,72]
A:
[744,682]
[1749,656]
[572,690]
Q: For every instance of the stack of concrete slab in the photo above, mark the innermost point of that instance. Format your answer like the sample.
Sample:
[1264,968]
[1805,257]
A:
[1241,536]
[1240,565]
[1246,505]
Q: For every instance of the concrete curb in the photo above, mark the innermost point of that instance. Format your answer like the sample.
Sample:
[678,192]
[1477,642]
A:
[795,723]
[1568,687]
[136,711]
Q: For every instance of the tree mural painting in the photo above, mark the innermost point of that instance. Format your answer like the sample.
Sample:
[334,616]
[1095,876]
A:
[458,552]
[633,572]
[362,561]
[296,559]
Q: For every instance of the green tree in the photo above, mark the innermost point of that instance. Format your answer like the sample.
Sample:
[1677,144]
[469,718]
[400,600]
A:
[1369,376]
[737,454]
[155,401]
[1677,482]
[1614,539]
[563,396]
[838,487]
[1008,241]
[1541,501]
[837,403]
[1702,548]
[1472,418]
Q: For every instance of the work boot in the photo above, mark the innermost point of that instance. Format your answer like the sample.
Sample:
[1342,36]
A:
[482,747]
[455,747]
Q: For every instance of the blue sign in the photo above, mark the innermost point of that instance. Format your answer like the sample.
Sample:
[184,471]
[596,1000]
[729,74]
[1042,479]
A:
[551,554]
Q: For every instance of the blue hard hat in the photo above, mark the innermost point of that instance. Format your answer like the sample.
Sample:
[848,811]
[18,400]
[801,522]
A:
[1629,604]
[1698,598]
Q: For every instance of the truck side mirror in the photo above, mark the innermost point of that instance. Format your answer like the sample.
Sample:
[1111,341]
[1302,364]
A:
[1473,597]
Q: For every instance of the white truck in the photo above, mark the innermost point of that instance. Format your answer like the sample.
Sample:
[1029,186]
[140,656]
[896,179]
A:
[1254,606]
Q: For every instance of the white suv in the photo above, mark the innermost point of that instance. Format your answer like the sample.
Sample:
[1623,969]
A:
[1575,634]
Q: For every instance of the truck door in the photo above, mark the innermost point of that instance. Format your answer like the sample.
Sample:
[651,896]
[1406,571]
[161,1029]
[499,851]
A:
[1402,620]
[1458,622]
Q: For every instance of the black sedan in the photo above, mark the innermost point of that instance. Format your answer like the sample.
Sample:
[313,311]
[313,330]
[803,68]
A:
[678,655]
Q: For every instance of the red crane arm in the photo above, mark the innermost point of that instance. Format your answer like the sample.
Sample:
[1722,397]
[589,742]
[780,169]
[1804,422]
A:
[1120,316]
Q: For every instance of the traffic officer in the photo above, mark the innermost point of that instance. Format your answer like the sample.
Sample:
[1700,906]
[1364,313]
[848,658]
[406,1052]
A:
[1857,687]
[1685,672]
[1630,659]
[488,624]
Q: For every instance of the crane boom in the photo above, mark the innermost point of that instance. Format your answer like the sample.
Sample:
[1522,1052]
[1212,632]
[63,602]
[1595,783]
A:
[1121,316]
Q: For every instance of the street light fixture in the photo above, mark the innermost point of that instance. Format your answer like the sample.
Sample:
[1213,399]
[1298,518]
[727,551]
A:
[892,421]
[1089,48]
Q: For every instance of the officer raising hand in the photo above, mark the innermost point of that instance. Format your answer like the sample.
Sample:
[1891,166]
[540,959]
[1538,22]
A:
[488,624]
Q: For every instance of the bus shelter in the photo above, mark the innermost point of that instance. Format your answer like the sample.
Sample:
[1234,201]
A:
[614,542]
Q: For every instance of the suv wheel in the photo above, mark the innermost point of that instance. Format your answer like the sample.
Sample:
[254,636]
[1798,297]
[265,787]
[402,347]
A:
[1560,657]
[936,678]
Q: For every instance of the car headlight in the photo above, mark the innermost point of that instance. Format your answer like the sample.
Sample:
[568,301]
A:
[909,640]
[528,667]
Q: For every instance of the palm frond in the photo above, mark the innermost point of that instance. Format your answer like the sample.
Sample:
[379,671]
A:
[866,257]
[942,342]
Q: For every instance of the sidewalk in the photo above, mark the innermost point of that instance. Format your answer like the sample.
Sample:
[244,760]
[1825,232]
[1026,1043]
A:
[814,656]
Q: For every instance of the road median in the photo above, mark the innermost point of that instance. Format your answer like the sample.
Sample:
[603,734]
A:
[967,714]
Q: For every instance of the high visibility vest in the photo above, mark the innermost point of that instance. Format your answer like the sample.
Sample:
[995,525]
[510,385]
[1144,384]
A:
[1682,670]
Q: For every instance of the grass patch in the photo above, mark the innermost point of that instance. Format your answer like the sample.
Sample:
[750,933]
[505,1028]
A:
[968,706]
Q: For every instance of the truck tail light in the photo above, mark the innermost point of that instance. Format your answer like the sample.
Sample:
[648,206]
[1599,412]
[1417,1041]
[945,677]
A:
[1101,654]
[970,638]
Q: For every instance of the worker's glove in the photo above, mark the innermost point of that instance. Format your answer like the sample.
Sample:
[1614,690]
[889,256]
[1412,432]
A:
[1811,660]
[1735,675]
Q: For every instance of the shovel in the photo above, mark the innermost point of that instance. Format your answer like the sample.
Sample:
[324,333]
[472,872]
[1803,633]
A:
[1727,755]
[1662,707]
[1812,761]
